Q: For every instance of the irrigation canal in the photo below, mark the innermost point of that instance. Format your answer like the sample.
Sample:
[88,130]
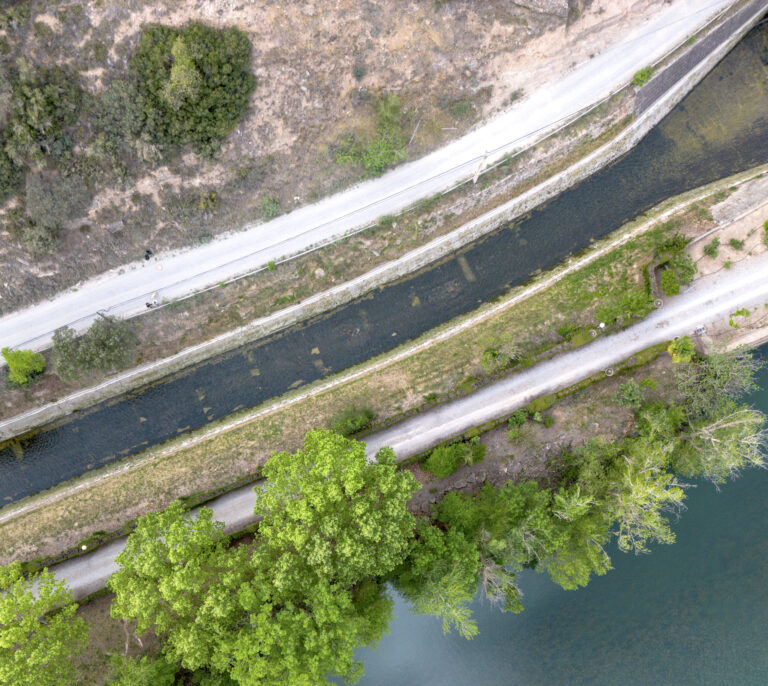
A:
[719,129]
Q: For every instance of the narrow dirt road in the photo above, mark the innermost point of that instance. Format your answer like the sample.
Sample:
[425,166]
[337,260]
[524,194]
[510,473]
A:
[708,300]
[125,291]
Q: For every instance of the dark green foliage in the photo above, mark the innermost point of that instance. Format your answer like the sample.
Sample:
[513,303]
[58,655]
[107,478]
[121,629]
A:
[629,395]
[105,346]
[24,366]
[10,174]
[711,248]
[195,81]
[53,200]
[669,283]
[549,420]
[352,420]
[118,111]
[736,244]
[446,459]
[45,102]
[518,418]
[667,246]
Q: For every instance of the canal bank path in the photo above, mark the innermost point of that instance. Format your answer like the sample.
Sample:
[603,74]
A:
[708,300]
[125,291]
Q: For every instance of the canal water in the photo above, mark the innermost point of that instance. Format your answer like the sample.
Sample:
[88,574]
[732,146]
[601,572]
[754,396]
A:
[694,613]
[721,128]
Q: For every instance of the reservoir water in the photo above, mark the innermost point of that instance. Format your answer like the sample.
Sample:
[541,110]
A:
[719,129]
[694,613]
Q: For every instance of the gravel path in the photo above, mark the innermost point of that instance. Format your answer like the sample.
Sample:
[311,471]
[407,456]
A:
[709,299]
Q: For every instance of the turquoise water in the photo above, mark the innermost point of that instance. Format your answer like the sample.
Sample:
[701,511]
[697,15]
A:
[694,613]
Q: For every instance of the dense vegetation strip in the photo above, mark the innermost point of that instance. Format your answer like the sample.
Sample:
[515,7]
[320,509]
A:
[292,603]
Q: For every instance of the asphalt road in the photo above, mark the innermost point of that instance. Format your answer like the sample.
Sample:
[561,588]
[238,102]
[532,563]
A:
[124,291]
[709,299]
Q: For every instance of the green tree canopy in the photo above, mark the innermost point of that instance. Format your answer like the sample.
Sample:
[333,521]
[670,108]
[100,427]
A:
[40,631]
[294,606]
[23,365]
[709,385]
[440,577]
[195,81]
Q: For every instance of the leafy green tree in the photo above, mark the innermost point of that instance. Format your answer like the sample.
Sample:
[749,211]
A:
[23,365]
[682,350]
[144,671]
[440,577]
[327,510]
[40,632]
[295,607]
[709,385]
[719,449]
[195,81]
[177,578]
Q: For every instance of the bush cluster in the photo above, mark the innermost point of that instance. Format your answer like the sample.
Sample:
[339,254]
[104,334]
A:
[446,459]
[195,81]
[105,346]
[352,420]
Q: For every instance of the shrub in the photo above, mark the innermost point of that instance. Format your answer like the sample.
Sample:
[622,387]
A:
[765,233]
[518,418]
[269,208]
[446,459]
[670,245]
[39,240]
[195,81]
[669,283]
[683,266]
[53,200]
[10,175]
[352,420]
[45,101]
[682,350]
[24,366]
[736,244]
[629,395]
[379,153]
[642,76]
[106,345]
[549,420]
[711,248]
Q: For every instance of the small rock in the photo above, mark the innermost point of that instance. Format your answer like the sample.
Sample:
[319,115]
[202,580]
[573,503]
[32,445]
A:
[319,273]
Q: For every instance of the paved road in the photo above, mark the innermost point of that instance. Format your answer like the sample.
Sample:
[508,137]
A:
[191,270]
[709,299]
